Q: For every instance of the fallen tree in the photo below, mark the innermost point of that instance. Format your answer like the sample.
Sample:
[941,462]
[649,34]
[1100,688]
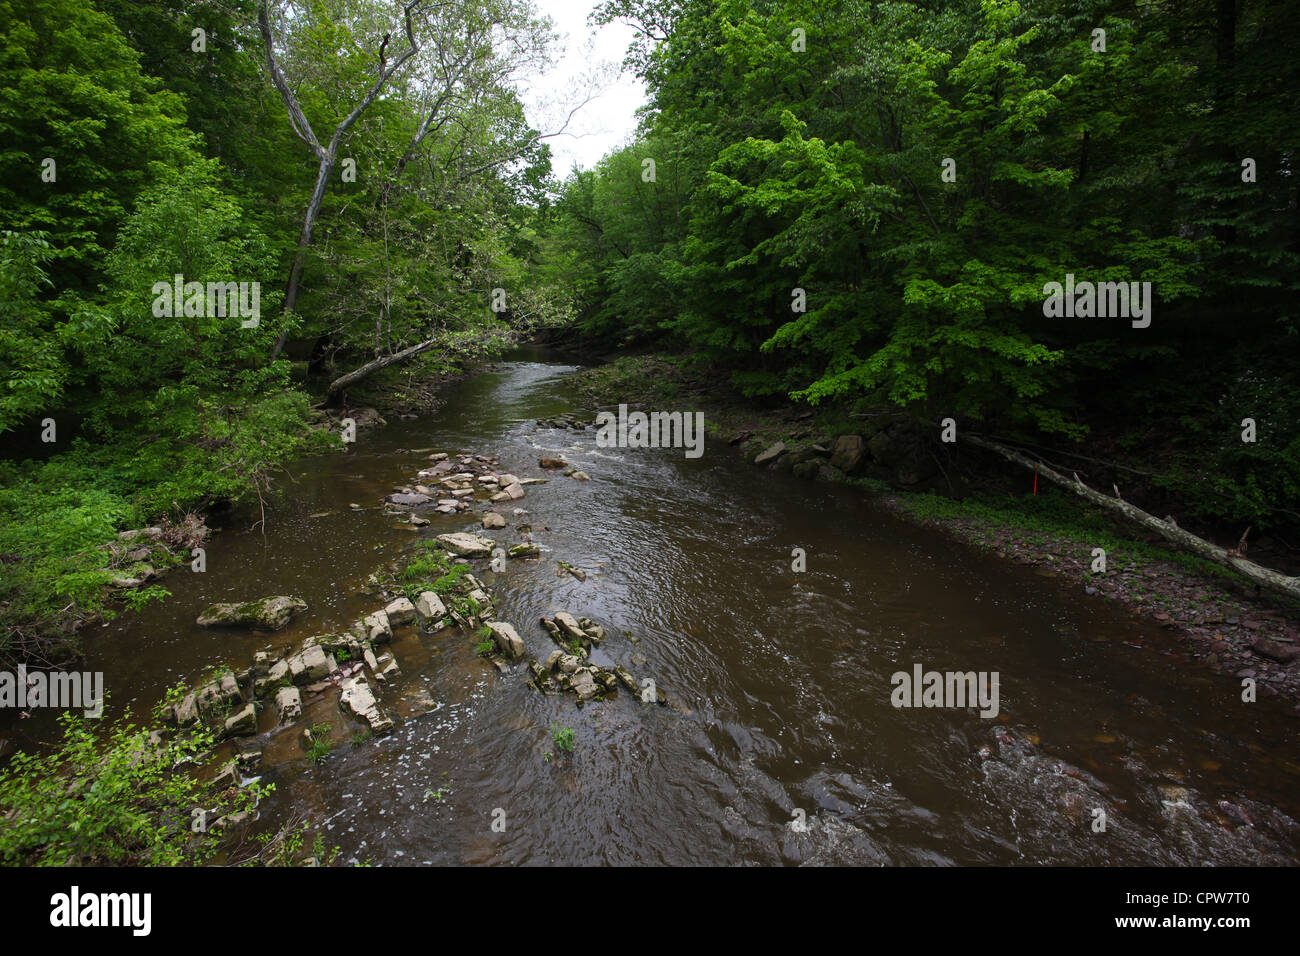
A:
[356,375]
[1165,528]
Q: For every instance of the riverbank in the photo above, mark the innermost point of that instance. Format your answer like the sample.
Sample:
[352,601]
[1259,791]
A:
[92,529]
[1221,621]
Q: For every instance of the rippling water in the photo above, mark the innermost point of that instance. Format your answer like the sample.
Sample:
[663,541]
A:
[779,682]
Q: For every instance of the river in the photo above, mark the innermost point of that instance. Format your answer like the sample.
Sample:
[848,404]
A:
[779,682]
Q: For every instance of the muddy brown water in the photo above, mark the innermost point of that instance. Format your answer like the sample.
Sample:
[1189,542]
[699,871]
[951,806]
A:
[779,681]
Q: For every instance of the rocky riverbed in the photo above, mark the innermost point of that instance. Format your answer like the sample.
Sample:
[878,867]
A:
[280,693]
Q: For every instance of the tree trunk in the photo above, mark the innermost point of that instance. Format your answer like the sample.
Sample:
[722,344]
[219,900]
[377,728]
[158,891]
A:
[1171,532]
[343,381]
[327,156]
[304,240]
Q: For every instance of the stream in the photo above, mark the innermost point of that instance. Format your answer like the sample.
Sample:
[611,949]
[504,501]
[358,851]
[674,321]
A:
[780,744]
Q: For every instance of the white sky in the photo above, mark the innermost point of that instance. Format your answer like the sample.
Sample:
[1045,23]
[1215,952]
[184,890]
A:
[605,123]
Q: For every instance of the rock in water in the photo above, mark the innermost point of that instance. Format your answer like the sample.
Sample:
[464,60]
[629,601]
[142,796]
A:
[360,699]
[569,624]
[288,704]
[507,639]
[378,628]
[408,500]
[772,453]
[583,684]
[270,613]
[552,463]
[466,545]
[493,520]
[578,573]
[400,611]
[311,664]
[430,607]
[243,722]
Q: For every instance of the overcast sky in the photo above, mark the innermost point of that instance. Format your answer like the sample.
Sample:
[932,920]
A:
[605,123]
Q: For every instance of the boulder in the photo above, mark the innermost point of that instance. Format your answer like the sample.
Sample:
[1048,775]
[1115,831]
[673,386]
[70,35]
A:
[552,463]
[493,520]
[408,499]
[514,491]
[580,476]
[385,668]
[187,711]
[507,639]
[430,607]
[229,688]
[278,672]
[270,613]
[310,665]
[583,684]
[288,704]
[771,454]
[1273,650]
[248,754]
[379,629]
[227,776]
[569,625]
[849,453]
[466,545]
[358,698]
[525,550]
[400,612]
[243,722]
[484,600]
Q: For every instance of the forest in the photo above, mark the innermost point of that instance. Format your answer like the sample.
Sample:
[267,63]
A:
[1066,226]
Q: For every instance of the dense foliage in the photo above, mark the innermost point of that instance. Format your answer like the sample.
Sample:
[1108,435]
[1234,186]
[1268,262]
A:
[145,140]
[113,801]
[854,202]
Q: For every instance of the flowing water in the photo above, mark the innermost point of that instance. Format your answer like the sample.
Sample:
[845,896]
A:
[778,682]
